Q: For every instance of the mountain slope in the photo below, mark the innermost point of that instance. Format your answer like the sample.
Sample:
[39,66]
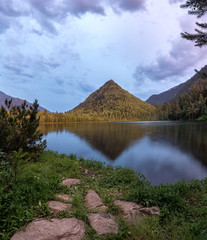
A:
[15,101]
[176,91]
[111,102]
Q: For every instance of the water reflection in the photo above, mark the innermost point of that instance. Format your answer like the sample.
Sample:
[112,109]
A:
[111,139]
[164,152]
[163,163]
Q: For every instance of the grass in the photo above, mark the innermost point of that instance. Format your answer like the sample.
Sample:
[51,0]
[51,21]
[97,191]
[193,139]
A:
[183,205]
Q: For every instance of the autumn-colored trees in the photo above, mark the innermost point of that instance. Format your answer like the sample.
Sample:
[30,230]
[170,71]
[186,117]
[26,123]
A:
[189,106]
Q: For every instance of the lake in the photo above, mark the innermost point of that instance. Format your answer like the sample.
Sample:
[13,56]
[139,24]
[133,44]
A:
[165,152]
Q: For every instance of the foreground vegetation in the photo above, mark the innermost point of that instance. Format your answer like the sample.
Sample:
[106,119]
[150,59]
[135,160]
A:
[183,205]
[30,177]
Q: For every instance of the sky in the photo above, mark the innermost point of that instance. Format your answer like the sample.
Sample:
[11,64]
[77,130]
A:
[60,51]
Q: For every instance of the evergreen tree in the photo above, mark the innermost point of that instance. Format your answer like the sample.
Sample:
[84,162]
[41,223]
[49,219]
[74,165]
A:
[198,8]
[19,129]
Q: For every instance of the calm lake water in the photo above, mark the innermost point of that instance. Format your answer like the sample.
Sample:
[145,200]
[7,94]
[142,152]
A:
[165,152]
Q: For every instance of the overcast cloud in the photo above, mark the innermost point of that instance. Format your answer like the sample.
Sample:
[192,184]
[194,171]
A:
[60,51]
[174,64]
[49,11]
[176,1]
[182,57]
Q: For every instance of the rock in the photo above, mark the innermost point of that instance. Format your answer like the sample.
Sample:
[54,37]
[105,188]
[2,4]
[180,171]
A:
[57,207]
[103,223]
[94,202]
[70,181]
[133,212]
[63,197]
[55,229]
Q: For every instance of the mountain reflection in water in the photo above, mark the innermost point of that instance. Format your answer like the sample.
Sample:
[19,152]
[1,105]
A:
[164,152]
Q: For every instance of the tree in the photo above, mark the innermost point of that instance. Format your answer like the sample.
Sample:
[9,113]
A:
[19,129]
[198,8]
[20,138]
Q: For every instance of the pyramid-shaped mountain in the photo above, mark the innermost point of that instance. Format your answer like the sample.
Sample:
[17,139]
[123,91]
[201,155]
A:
[111,102]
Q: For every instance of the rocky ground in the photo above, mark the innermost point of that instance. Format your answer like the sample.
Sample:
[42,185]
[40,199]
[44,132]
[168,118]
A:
[73,229]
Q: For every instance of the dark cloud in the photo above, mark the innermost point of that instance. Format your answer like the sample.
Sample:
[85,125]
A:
[180,58]
[38,32]
[17,70]
[130,5]
[47,25]
[12,8]
[47,12]
[59,82]
[80,7]
[86,87]
[24,65]
[48,8]
[27,75]
[58,91]
[175,1]
[51,62]
[12,68]
[4,23]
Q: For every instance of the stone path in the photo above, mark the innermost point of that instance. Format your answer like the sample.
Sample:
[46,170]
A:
[57,206]
[103,223]
[133,212]
[73,229]
[63,197]
[94,202]
[70,181]
[55,229]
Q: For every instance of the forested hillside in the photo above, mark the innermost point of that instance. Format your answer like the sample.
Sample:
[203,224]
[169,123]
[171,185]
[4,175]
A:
[175,92]
[108,103]
[15,101]
[112,102]
[190,105]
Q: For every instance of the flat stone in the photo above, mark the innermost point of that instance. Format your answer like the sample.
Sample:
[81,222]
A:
[133,212]
[63,197]
[103,223]
[55,229]
[57,207]
[70,181]
[94,202]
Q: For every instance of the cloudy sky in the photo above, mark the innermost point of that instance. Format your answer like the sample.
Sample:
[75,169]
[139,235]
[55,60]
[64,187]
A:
[60,51]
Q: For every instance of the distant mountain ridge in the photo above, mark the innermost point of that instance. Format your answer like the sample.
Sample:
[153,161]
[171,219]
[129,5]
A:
[175,92]
[112,102]
[15,101]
